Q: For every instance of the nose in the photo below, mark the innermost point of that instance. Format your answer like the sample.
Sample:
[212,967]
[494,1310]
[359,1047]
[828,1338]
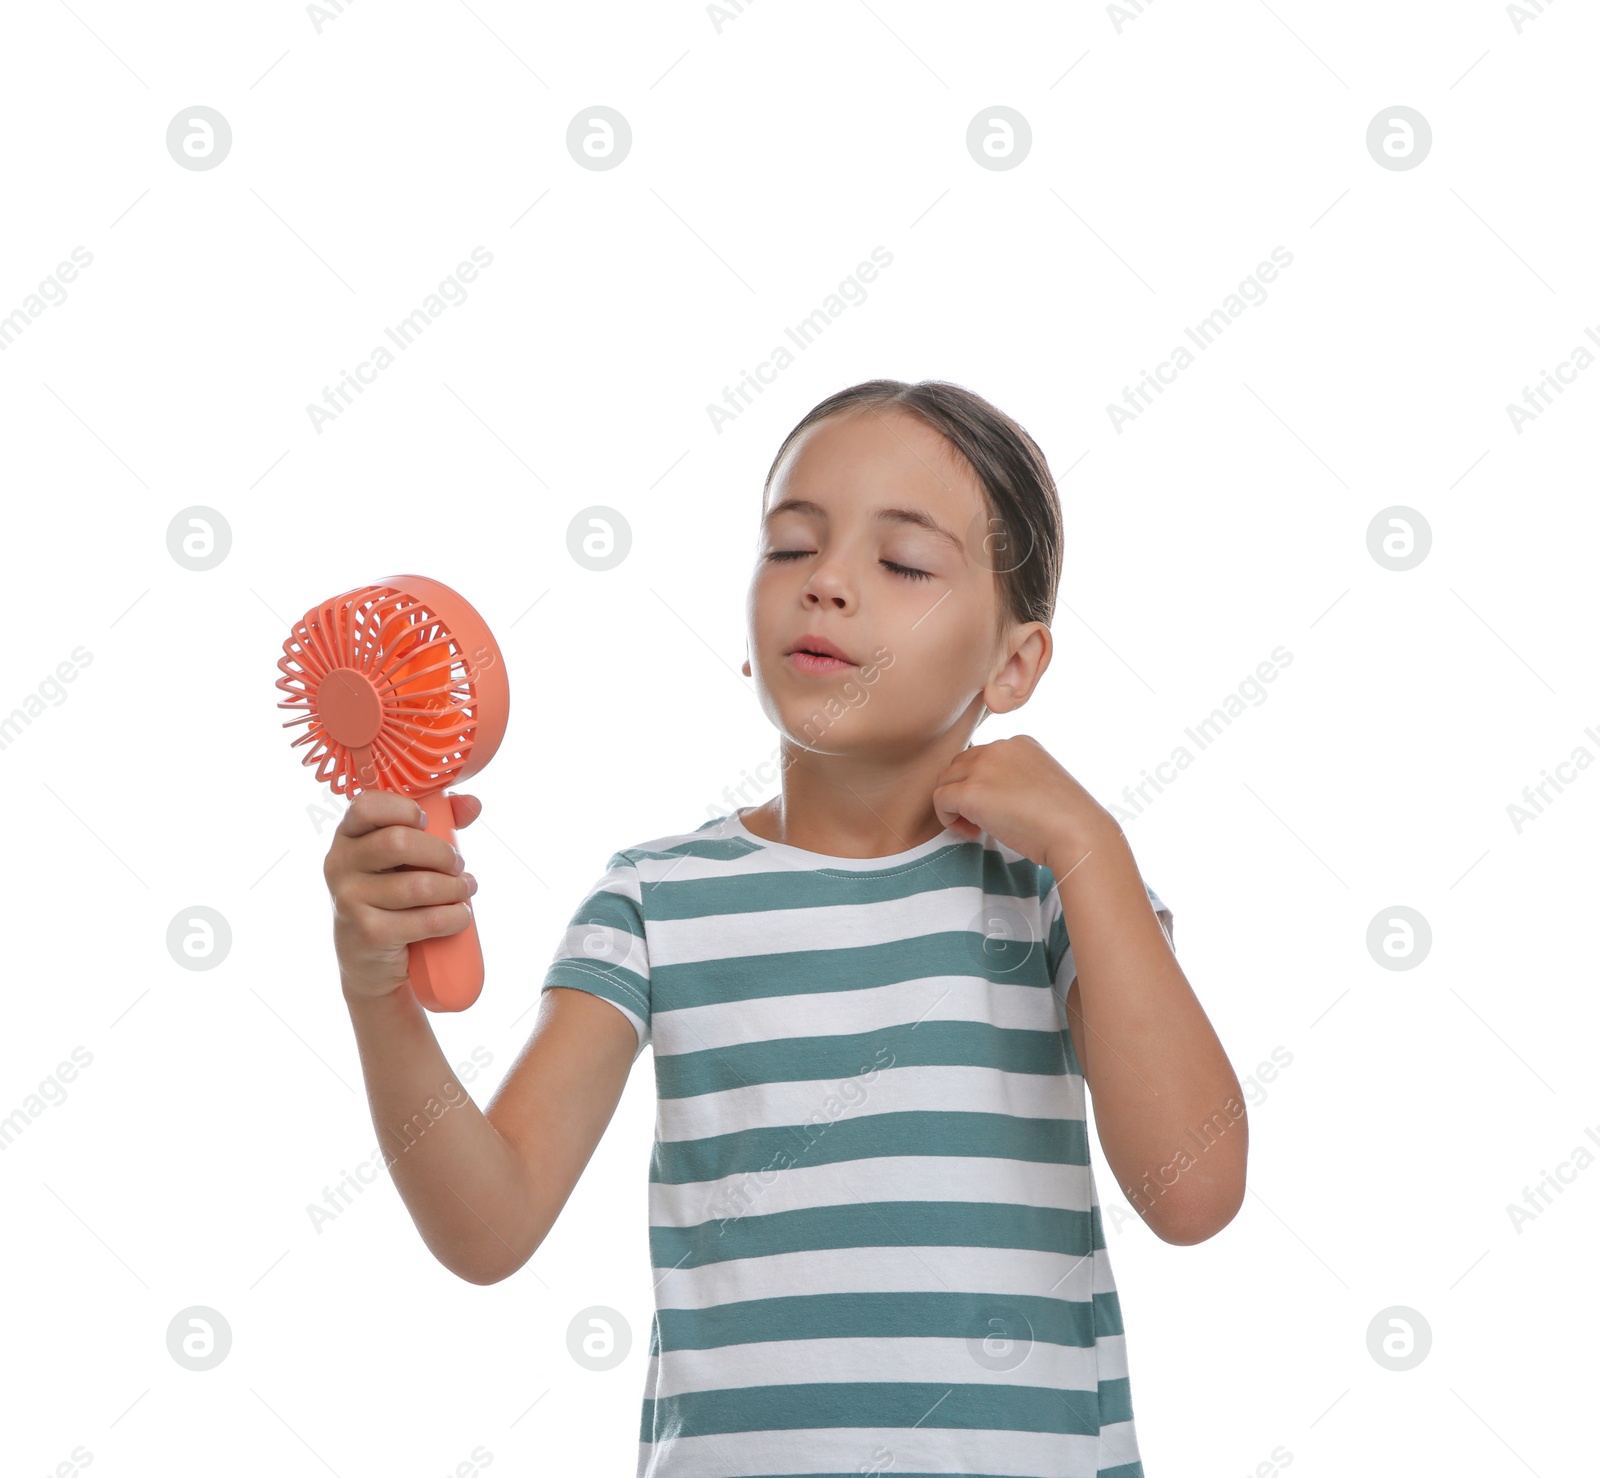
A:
[830,585]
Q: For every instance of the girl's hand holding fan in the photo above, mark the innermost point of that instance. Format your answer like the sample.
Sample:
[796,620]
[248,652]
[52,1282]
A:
[394,884]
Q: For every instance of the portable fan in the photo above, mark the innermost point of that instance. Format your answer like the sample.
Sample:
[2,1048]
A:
[402,688]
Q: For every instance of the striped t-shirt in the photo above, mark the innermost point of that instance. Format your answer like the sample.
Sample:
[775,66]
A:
[874,1231]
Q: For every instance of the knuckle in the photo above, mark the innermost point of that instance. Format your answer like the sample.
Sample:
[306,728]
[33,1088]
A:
[417,887]
[445,918]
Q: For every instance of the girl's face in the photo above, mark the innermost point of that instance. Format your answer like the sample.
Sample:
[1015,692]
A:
[873,541]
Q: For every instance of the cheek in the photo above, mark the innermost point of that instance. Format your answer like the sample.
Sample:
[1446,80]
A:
[935,652]
[937,632]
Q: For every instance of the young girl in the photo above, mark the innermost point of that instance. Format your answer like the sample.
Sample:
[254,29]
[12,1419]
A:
[874,1002]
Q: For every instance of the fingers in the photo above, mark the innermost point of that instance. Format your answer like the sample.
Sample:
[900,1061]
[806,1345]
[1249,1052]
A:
[369,931]
[396,847]
[399,892]
[375,808]
[383,830]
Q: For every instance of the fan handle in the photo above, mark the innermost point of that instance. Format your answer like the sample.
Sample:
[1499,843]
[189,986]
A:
[446,971]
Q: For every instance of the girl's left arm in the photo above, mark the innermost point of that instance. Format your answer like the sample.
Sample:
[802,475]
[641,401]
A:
[1169,1108]
[1170,1111]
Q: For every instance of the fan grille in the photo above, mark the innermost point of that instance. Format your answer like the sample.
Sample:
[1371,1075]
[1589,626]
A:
[420,678]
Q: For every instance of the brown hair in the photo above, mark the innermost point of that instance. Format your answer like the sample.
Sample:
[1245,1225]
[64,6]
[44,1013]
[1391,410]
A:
[1023,547]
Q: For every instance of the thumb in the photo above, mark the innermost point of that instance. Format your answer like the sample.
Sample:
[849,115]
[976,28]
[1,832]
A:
[465,808]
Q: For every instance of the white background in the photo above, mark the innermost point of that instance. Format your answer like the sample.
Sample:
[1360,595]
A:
[769,157]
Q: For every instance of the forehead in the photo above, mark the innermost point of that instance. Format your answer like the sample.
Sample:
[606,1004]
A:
[878,454]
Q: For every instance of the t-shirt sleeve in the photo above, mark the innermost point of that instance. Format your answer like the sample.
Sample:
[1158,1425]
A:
[603,950]
[1058,948]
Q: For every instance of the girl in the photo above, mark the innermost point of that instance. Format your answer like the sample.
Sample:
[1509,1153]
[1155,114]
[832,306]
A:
[875,1002]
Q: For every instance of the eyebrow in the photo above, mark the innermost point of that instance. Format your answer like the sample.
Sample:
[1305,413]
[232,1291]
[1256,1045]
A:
[913,516]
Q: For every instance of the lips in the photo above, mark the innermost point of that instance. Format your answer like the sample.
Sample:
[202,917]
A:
[819,646]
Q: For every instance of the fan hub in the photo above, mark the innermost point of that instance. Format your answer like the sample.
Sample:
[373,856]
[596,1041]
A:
[350,706]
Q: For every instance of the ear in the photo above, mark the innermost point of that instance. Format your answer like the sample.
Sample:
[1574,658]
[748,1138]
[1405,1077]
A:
[746,668]
[1030,649]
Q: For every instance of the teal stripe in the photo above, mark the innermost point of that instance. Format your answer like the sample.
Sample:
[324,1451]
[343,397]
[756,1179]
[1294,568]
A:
[918,1315]
[608,906]
[959,865]
[808,972]
[620,987]
[714,849]
[831,1058]
[924,1404]
[874,1224]
[1116,1401]
[1107,1306]
[1054,1141]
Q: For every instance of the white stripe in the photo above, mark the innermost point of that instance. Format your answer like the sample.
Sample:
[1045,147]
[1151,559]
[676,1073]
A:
[1002,1271]
[842,925]
[909,1360]
[819,1104]
[892,1178]
[1119,1445]
[846,1012]
[1113,1350]
[889,1450]
[604,947]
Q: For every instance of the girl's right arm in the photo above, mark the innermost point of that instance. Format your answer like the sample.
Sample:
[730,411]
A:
[484,1189]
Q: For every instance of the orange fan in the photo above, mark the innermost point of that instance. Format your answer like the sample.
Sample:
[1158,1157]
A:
[403,688]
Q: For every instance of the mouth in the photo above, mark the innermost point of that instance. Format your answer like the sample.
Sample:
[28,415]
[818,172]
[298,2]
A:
[818,656]
[817,666]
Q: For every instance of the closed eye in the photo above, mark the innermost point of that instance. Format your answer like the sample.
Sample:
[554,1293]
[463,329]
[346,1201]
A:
[903,570]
